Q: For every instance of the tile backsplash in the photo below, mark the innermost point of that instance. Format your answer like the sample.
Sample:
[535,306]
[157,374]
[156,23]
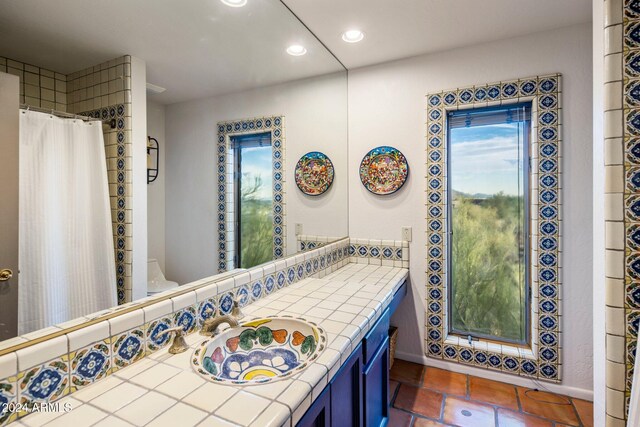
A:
[305,242]
[390,253]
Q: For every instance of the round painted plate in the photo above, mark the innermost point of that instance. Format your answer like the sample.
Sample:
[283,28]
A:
[314,173]
[383,170]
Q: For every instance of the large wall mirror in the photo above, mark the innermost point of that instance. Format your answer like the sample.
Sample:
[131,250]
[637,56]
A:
[160,151]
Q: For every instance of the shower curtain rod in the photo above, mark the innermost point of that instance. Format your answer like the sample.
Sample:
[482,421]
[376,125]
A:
[59,113]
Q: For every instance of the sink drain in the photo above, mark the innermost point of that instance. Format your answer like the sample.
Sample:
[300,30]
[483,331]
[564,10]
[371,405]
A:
[466,413]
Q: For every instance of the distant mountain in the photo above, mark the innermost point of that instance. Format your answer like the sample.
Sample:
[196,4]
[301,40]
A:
[476,196]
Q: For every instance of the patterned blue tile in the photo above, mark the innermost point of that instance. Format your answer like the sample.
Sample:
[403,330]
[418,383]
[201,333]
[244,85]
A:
[90,364]
[545,94]
[44,383]
[260,124]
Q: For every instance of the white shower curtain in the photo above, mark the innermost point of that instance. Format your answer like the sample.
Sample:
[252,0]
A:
[67,265]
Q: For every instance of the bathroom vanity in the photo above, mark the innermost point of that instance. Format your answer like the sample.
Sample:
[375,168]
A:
[359,393]
[351,297]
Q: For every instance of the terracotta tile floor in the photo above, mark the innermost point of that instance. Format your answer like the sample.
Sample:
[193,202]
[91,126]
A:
[422,396]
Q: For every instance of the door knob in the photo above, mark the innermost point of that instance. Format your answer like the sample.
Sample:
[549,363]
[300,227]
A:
[5,274]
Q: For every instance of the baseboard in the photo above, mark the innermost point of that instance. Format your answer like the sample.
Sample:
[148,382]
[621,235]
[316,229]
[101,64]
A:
[578,393]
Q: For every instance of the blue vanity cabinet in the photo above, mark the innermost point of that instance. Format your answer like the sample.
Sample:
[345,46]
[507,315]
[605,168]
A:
[376,336]
[358,395]
[346,392]
[376,388]
[319,414]
[375,373]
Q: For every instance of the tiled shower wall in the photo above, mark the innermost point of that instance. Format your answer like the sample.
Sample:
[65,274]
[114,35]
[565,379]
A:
[39,87]
[622,196]
[102,91]
[102,86]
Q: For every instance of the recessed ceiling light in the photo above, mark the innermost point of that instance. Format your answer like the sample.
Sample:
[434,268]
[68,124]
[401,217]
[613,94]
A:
[234,3]
[352,36]
[296,50]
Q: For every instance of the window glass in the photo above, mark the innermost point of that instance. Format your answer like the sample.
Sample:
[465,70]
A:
[488,222]
[254,200]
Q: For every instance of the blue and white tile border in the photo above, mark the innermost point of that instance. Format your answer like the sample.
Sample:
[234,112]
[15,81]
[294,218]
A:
[275,125]
[542,360]
[307,242]
[622,201]
[388,253]
[118,148]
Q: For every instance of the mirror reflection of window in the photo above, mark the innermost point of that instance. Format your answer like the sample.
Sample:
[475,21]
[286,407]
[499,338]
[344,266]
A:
[488,220]
[253,183]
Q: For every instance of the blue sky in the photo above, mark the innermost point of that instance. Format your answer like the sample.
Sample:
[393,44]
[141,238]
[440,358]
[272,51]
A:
[257,161]
[484,159]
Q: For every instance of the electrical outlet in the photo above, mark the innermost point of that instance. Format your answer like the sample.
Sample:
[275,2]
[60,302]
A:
[298,229]
[406,233]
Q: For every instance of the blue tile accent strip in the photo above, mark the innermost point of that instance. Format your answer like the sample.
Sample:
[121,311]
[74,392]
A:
[631,147]
[121,165]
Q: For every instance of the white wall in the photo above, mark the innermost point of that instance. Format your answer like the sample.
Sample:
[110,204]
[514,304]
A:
[155,190]
[599,297]
[315,113]
[139,171]
[387,106]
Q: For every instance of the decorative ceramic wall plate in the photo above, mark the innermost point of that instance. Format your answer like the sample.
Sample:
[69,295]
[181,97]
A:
[383,170]
[314,173]
[260,351]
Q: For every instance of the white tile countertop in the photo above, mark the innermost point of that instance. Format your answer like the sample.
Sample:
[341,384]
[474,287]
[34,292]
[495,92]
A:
[164,390]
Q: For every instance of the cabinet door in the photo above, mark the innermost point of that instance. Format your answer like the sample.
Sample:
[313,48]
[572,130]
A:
[376,388]
[346,393]
[319,414]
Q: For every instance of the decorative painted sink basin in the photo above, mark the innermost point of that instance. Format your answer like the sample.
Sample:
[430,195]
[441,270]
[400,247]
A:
[260,351]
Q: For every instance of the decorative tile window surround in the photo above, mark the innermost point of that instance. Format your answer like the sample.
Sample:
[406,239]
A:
[50,370]
[542,360]
[225,162]
[39,87]
[622,200]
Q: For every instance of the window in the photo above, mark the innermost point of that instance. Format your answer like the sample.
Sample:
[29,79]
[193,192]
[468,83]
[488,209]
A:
[488,211]
[253,199]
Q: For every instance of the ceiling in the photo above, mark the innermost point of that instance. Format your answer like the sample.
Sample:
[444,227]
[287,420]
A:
[201,48]
[193,48]
[400,29]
